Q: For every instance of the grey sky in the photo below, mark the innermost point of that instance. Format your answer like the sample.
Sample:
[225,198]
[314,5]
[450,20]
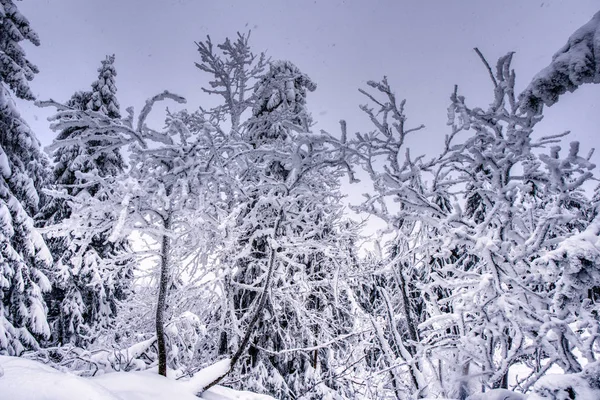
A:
[424,47]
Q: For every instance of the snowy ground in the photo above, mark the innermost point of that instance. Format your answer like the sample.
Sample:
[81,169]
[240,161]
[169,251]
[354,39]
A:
[22,379]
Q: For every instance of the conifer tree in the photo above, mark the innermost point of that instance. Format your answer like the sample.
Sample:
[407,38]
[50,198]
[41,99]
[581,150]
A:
[103,98]
[23,253]
[88,282]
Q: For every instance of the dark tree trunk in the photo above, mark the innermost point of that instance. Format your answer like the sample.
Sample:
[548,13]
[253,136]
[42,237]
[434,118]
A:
[463,388]
[410,322]
[162,299]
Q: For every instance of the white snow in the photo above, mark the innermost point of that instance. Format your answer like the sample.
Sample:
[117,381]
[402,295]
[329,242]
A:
[563,387]
[143,386]
[207,375]
[498,394]
[29,380]
[22,379]
[5,169]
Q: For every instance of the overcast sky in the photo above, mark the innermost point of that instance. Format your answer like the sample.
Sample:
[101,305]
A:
[423,46]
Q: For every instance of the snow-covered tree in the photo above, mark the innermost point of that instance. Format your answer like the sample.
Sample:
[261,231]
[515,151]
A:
[101,222]
[482,228]
[63,172]
[388,289]
[23,254]
[238,211]
[103,96]
[172,193]
[510,219]
[134,201]
[88,282]
[285,310]
[490,258]
[16,70]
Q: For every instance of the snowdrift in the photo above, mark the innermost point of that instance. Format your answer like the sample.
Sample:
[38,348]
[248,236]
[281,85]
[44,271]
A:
[22,379]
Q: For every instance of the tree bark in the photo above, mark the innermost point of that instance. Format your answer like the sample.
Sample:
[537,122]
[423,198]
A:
[410,322]
[463,386]
[162,298]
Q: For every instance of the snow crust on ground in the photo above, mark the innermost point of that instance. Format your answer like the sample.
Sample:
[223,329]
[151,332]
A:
[22,379]
[498,394]
[29,380]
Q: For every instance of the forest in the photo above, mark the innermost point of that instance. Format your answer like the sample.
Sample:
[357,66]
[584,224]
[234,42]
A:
[217,248]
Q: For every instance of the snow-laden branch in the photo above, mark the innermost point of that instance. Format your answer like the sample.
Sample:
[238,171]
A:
[576,63]
[96,126]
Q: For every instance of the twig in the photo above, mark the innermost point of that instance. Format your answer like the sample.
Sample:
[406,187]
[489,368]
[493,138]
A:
[487,65]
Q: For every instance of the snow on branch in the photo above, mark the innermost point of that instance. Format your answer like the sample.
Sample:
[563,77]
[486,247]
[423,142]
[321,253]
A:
[98,126]
[576,63]
[152,101]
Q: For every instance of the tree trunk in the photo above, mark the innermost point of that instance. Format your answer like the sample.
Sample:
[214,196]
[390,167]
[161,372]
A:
[162,298]
[410,322]
[463,388]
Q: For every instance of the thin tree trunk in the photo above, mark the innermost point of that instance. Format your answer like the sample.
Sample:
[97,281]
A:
[410,322]
[162,299]
[463,388]
[389,356]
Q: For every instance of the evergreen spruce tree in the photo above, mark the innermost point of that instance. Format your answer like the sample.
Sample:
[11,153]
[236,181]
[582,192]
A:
[23,253]
[89,281]
[103,98]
